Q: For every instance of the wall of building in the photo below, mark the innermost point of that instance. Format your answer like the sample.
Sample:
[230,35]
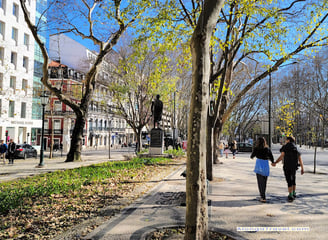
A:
[16,72]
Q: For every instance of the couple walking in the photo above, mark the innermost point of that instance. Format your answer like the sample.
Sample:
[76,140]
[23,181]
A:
[291,158]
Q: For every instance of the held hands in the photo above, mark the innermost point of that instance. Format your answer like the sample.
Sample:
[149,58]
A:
[273,164]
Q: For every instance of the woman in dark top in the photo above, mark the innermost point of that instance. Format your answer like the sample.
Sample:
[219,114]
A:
[262,170]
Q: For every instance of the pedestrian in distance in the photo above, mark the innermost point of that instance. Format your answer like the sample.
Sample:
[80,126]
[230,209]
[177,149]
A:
[221,148]
[11,151]
[291,160]
[3,150]
[226,150]
[262,153]
[233,149]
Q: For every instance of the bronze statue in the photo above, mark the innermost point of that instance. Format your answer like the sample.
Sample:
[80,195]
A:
[157,109]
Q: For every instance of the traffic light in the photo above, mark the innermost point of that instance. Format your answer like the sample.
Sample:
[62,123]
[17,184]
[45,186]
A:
[6,133]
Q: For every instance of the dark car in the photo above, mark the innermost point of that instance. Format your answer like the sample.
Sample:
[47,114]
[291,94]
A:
[25,151]
[244,147]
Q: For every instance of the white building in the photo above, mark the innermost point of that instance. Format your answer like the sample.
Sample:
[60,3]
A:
[16,72]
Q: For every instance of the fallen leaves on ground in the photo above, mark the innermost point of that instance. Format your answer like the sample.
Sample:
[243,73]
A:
[48,217]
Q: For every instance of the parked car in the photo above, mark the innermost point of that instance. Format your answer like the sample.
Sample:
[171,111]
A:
[25,151]
[244,147]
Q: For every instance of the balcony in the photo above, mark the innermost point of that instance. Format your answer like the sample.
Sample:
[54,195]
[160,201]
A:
[59,113]
[84,132]
[49,131]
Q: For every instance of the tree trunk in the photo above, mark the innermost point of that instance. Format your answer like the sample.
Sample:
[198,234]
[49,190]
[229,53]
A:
[210,149]
[74,153]
[139,141]
[196,192]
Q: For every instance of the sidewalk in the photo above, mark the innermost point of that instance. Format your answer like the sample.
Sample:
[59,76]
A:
[233,205]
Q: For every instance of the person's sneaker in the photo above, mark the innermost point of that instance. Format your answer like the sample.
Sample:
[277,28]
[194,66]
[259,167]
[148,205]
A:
[294,195]
[290,198]
[262,200]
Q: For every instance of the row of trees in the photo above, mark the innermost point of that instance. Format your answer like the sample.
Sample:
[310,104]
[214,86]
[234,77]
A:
[255,37]
[299,96]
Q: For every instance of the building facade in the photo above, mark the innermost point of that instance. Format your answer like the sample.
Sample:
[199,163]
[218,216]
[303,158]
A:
[16,72]
[103,126]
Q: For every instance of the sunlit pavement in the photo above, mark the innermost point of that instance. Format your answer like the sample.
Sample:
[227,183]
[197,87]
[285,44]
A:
[233,200]
[234,206]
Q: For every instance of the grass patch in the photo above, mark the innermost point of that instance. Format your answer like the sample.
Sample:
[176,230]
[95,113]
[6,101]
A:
[175,152]
[22,193]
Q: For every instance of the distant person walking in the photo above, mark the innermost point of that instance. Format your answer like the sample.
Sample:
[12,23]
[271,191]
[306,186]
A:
[262,153]
[226,150]
[291,157]
[233,149]
[221,148]
[3,150]
[11,151]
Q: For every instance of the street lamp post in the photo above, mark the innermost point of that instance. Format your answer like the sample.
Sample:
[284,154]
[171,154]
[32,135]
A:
[44,101]
[109,137]
[270,90]
[174,142]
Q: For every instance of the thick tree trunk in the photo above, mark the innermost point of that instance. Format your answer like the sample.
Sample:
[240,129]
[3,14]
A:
[216,135]
[74,153]
[196,192]
[139,141]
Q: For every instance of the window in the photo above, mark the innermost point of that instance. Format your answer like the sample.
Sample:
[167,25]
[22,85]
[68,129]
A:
[14,34]
[58,105]
[11,110]
[12,82]
[26,40]
[15,10]
[38,69]
[3,4]
[24,84]
[13,59]
[46,124]
[2,53]
[2,30]
[1,81]
[57,124]
[23,110]
[25,63]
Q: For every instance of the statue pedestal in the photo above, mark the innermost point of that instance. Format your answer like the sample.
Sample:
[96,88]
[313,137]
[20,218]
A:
[156,141]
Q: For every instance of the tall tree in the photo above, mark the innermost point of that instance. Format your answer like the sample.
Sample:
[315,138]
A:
[252,31]
[196,191]
[142,72]
[86,19]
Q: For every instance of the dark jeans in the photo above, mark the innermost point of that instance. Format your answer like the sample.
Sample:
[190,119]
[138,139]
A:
[290,175]
[261,183]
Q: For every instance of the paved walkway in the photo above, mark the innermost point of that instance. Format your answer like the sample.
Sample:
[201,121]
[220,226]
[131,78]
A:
[234,206]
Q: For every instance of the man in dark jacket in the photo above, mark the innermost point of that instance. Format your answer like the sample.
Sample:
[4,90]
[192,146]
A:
[3,150]
[291,157]
[11,151]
